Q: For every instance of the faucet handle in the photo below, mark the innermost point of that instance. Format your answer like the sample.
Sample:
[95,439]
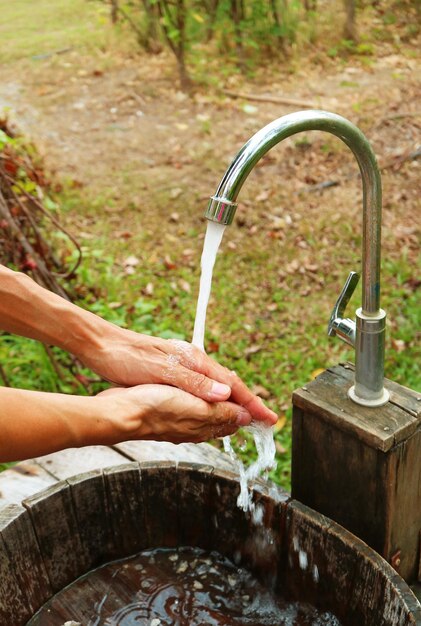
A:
[344,328]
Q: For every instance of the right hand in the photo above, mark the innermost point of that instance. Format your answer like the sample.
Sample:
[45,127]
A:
[164,413]
[126,358]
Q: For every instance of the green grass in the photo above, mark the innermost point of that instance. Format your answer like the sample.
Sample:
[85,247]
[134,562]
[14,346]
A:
[31,29]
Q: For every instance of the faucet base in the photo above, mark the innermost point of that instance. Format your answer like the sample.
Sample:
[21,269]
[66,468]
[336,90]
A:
[381,401]
[361,466]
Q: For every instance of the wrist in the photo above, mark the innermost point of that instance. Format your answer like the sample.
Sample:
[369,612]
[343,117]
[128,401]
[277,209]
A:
[118,417]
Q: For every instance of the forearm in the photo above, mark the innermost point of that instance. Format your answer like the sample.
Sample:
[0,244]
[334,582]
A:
[33,423]
[32,311]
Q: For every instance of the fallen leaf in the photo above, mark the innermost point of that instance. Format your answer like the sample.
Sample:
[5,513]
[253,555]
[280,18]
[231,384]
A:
[292,267]
[175,193]
[185,286]
[82,379]
[174,217]
[29,264]
[212,346]
[316,373]
[169,263]
[279,448]
[278,222]
[305,292]
[124,234]
[131,261]
[399,345]
[115,305]
[261,391]
[263,196]
[413,283]
[252,349]
[11,167]
[280,423]
[188,252]
[148,290]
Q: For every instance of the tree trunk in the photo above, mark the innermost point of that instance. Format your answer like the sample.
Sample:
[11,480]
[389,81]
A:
[211,8]
[278,23]
[152,43]
[114,11]
[176,22]
[310,5]
[186,83]
[350,30]
[237,15]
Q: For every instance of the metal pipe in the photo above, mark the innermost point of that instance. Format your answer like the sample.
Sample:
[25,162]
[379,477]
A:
[222,208]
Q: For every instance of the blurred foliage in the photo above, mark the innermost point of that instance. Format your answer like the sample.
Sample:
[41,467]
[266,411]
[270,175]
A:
[246,32]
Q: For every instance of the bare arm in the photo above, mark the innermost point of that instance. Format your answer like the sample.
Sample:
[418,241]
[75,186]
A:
[33,423]
[31,311]
[121,356]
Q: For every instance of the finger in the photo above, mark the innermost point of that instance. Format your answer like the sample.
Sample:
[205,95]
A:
[194,359]
[241,394]
[199,384]
[221,414]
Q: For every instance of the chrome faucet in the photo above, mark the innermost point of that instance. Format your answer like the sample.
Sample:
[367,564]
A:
[367,334]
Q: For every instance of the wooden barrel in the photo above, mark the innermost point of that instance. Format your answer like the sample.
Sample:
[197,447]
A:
[78,524]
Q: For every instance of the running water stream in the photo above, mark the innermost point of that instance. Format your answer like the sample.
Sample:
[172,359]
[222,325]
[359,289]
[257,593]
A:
[262,434]
[213,238]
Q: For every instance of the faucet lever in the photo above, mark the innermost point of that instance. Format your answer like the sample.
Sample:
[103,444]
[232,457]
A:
[344,328]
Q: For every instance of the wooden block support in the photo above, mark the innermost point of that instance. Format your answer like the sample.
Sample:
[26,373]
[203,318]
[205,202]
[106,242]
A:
[361,467]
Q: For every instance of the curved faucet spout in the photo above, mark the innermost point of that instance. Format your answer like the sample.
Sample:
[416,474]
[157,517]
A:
[222,204]
[370,351]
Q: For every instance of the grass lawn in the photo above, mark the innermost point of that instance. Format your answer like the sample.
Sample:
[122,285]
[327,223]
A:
[34,29]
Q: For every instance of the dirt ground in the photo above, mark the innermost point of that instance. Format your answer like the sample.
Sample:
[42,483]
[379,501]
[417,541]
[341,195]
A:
[130,124]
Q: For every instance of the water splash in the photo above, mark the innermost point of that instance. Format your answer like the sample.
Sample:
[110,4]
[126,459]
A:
[265,447]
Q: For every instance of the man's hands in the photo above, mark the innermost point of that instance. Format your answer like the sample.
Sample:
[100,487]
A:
[126,358]
[164,413]
[34,423]
[177,393]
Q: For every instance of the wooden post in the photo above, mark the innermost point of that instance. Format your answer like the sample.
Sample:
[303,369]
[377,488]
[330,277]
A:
[361,466]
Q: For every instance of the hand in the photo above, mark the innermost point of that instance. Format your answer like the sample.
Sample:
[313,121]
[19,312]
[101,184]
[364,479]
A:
[126,358]
[164,413]
[121,356]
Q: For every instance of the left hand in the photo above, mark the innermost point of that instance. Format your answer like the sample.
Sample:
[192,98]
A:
[127,358]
